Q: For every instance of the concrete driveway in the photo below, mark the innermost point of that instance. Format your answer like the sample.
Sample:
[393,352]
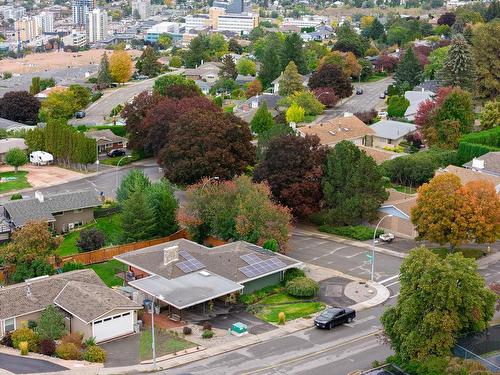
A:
[122,352]
[331,292]
[23,365]
[255,325]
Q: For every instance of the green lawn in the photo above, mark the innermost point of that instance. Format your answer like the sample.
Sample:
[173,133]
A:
[110,225]
[165,343]
[376,77]
[20,181]
[107,272]
[114,161]
[278,298]
[292,311]
[466,252]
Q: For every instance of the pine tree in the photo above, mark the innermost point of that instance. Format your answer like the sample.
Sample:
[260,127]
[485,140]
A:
[149,65]
[458,66]
[262,120]
[293,51]
[290,80]
[104,78]
[408,73]
[35,86]
[271,65]
[228,69]
[137,218]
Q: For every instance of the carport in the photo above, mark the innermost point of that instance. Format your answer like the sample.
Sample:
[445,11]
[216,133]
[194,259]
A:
[186,291]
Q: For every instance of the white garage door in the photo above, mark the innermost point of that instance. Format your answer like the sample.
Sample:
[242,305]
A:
[114,326]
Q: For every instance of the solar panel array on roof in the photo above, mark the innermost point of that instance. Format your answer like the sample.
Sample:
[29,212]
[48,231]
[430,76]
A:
[251,258]
[262,267]
[190,264]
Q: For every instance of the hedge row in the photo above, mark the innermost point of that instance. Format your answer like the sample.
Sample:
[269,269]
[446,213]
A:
[476,144]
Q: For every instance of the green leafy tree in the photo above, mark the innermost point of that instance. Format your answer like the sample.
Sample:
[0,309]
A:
[164,83]
[134,181]
[408,73]
[223,85]
[457,105]
[295,113]
[353,186]
[436,60]
[262,120]
[458,66]
[293,51]
[490,115]
[439,300]
[51,324]
[16,158]
[290,81]
[271,63]
[137,218]
[82,96]
[164,41]
[148,63]
[104,78]
[486,49]
[349,40]
[398,35]
[59,105]
[266,137]
[246,67]
[175,62]
[308,101]
[160,196]
[397,106]
[228,69]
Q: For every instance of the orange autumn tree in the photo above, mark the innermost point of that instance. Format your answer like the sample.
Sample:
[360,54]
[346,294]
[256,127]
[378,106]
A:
[449,213]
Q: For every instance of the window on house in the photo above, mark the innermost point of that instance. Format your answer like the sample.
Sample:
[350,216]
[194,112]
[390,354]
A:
[10,325]
[389,141]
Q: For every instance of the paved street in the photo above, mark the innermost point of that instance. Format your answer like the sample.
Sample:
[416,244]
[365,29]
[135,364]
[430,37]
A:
[23,365]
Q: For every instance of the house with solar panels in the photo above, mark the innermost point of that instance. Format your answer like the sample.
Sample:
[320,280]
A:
[182,276]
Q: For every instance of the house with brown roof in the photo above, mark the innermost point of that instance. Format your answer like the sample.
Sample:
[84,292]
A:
[208,72]
[106,140]
[467,175]
[182,275]
[347,128]
[380,155]
[88,305]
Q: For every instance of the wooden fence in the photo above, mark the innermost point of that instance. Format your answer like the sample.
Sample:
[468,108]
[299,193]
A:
[107,253]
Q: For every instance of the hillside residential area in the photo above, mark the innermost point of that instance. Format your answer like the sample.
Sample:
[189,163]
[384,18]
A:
[250,187]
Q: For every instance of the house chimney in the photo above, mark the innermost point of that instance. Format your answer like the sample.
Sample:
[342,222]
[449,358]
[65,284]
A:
[477,163]
[39,196]
[347,114]
[170,254]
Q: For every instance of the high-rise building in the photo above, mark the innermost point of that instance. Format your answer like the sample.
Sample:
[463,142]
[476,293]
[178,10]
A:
[97,27]
[141,8]
[12,12]
[233,6]
[81,10]
[45,22]
[26,29]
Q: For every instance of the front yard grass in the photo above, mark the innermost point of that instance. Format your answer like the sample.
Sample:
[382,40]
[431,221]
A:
[20,181]
[107,272]
[109,225]
[292,311]
[466,252]
[165,343]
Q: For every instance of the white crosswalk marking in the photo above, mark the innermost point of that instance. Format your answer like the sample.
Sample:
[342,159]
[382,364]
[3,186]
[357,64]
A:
[389,279]
[355,322]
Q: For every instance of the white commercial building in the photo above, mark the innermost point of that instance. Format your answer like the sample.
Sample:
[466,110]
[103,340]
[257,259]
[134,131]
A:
[75,39]
[142,8]
[237,23]
[305,21]
[197,21]
[97,28]
[45,22]
[171,28]
[12,12]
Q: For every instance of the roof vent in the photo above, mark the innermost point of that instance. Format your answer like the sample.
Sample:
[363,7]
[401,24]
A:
[205,273]
[345,129]
[477,163]
[332,132]
[39,196]
[170,254]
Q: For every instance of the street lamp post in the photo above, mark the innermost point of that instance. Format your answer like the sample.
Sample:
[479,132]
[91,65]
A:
[153,343]
[373,248]
[216,178]
[116,169]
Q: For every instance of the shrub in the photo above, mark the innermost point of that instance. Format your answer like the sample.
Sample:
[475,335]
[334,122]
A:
[187,330]
[74,338]
[281,318]
[302,287]
[89,342]
[68,350]
[51,324]
[95,354]
[293,273]
[397,106]
[47,347]
[358,232]
[72,266]
[367,116]
[271,245]
[91,239]
[32,324]
[207,334]
[16,196]
[7,340]
[25,334]
[247,299]
[23,346]
[207,326]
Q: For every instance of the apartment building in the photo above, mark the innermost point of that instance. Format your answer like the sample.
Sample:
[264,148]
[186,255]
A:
[26,29]
[97,28]
[81,10]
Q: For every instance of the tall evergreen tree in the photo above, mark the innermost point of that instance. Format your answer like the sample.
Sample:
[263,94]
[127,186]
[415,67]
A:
[104,78]
[148,63]
[160,196]
[408,73]
[262,120]
[271,64]
[228,69]
[137,218]
[290,81]
[293,51]
[458,66]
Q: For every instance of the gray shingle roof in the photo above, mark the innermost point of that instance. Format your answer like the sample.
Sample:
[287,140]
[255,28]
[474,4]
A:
[392,129]
[491,163]
[104,136]
[25,210]
[18,299]
[89,301]
[221,260]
